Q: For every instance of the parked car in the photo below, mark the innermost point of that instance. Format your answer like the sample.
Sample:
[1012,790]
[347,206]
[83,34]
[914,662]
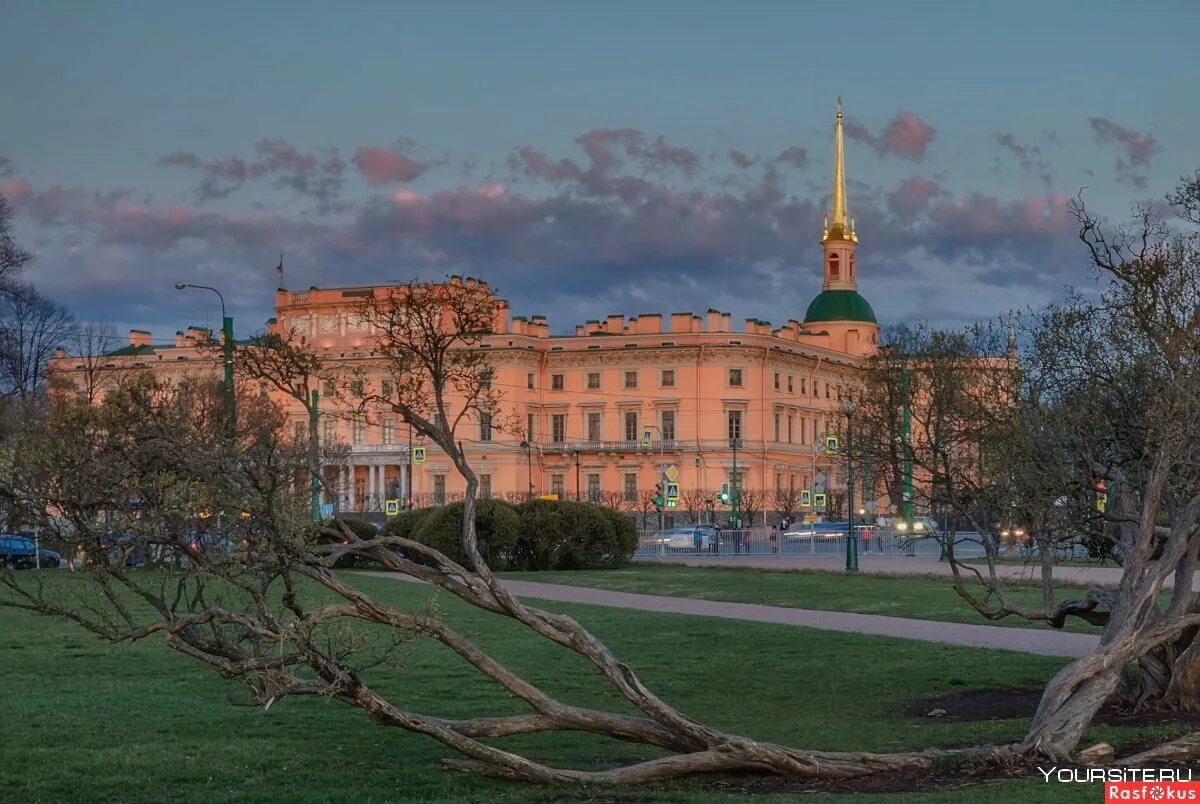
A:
[816,530]
[685,538]
[18,552]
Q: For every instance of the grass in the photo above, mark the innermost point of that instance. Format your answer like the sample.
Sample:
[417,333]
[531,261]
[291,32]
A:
[921,597]
[82,720]
[1027,561]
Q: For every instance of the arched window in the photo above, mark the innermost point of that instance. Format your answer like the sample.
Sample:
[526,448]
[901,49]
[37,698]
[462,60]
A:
[834,266]
[851,266]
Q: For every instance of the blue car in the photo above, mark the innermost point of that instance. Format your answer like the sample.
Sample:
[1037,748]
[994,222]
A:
[17,552]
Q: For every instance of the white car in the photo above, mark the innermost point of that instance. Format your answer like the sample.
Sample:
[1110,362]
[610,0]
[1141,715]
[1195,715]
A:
[685,538]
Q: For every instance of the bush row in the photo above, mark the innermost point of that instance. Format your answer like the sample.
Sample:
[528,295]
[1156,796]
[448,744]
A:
[534,535]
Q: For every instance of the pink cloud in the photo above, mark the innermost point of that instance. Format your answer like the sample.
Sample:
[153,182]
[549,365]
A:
[793,155]
[384,166]
[907,136]
[17,191]
[912,196]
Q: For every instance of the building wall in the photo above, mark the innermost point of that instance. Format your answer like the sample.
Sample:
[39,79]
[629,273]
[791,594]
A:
[694,368]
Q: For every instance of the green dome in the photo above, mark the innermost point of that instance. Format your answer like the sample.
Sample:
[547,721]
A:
[839,305]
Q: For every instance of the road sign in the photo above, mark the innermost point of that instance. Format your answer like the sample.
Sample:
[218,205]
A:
[391,507]
[647,434]
[805,498]
[418,455]
[548,497]
[672,503]
[672,491]
[672,473]
[831,445]
[326,510]
[819,500]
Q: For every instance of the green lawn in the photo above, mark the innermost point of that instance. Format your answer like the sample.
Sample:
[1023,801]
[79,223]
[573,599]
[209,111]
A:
[81,720]
[922,597]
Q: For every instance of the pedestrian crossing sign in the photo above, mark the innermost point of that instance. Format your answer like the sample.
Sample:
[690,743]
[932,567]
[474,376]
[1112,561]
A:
[672,491]
[831,445]
[647,435]
[805,498]
[418,455]
[391,507]
[819,500]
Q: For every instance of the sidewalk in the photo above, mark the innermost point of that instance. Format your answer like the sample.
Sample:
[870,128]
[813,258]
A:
[889,565]
[1029,640]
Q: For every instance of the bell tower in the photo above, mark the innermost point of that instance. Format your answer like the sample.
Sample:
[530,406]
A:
[838,238]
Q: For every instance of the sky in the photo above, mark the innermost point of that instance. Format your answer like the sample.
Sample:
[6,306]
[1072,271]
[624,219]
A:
[584,158]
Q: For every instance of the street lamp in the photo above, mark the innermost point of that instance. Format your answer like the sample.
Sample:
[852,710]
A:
[529,465]
[227,331]
[851,536]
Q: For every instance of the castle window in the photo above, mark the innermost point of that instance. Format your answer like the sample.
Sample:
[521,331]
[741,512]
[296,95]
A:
[851,266]
[834,266]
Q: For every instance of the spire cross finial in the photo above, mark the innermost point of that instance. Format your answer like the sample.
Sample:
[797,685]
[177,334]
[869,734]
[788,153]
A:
[839,111]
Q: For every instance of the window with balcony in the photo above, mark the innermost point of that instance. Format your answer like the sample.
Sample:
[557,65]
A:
[733,419]
[668,378]
[735,378]
[357,387]
[556,382]
[329,431]
[791,425]
[593,427]
[593,382]
[556,485]
[593,488]
[631,379]
[631,487]
[668,425]
[327,388]
[388,431]
[485,487]
[439,489]
[299,431]
[778,425]
[631,426]
[558,428]
[485,427]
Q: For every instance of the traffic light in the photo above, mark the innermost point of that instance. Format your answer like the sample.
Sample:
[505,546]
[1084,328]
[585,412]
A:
[723,497]
[657,499]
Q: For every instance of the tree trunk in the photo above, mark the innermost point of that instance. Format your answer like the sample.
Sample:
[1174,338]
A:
[1071,700]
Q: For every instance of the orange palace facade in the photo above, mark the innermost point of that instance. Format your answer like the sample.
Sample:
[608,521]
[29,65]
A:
[696,380]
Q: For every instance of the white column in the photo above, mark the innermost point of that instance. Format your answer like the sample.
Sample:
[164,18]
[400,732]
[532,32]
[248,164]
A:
[343,496]
[372,486]
[404,495]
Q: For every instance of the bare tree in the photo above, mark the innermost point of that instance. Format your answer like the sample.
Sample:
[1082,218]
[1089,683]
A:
[12,257]
[90,368]
[696,503]
[32,327]
[751,503]
[787,502]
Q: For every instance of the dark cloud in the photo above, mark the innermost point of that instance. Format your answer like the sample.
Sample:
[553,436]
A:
[1134,150]
[1028,156]
[740,159]
[6,167]
[315,175]
[793,155]
[912,196]
[907,136]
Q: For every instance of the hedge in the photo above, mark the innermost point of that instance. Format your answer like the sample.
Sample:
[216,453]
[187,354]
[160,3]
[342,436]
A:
[535,535]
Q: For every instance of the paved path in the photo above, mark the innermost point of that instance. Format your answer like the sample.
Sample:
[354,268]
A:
[1029,640]
[889,565]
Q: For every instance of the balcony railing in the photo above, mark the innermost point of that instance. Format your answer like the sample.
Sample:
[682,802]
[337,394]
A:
[607,446]
[401,448]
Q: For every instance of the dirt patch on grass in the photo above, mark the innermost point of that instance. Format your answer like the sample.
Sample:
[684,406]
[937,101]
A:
[1012,704]
[883,782]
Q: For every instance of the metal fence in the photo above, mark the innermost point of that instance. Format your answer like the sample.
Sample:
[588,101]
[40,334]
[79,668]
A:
[689,541]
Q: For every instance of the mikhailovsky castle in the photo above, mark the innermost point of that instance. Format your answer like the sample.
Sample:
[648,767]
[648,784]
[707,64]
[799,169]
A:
[695,379]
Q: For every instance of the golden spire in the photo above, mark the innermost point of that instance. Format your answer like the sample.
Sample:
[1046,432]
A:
[840,227]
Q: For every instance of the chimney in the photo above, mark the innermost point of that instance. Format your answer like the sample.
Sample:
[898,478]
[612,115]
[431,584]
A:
[178,339]
[726,322]
[697,323]
[579,330]
[615,324]
[538,326]
[714,320]
[681,322]
[649,324]
[591,326]
[139,337]
[59,353]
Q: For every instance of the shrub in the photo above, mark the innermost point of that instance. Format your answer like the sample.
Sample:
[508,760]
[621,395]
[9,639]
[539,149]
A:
[496,528]
[572,535]
[625,537]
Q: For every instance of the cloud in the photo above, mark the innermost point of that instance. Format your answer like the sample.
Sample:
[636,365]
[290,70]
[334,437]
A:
[793,155]
[907,136]
[1135,150]
[6,167]
[912,196]
[742,160]
[315,175]
[1029,157]
[386,166]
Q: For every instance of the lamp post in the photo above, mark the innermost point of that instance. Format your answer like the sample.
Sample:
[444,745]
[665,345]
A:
[735,516]
[906,440]
[529,465]
[578,490]
[851,536]
[227,331]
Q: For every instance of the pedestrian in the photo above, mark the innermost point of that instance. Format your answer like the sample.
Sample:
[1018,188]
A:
[697,539]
